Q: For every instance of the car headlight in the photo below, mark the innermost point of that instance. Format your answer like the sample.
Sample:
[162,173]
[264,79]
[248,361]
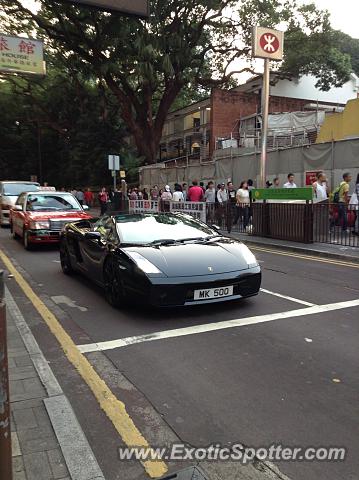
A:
[142,263]
[42,225]
[249,257]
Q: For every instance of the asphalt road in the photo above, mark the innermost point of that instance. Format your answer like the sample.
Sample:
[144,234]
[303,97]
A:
[292,381]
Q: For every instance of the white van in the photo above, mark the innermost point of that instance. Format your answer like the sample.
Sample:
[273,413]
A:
[9,191]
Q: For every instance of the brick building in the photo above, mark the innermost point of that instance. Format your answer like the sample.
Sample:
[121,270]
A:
[198,130]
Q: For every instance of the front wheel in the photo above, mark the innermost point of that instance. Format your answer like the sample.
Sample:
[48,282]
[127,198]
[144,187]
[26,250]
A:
[65,260]
[113,285]
[15,236]
[27,244]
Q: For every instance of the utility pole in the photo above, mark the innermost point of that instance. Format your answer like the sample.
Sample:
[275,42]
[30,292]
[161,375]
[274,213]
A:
[265,111]
[268,44]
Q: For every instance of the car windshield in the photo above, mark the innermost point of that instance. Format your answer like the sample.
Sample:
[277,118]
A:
[53,202]
[14,189]
[160,228]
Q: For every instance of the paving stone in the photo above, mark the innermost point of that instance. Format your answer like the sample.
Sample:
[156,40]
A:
[18,464]
[33,402]
[41,416]
[37,466]
[16,352]
[25,419]
[11,363]
[19,475]
[23,361]
[16,387]
[37,440]
[15,445]
[57,463]
[20,373]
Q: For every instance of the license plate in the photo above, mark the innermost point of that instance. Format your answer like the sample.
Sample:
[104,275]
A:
[207,294]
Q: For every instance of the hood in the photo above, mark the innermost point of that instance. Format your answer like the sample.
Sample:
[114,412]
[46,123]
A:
[193,259]
[58,216]
[9,199]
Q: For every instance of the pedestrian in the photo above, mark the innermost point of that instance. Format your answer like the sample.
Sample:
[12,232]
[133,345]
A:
[88,197]
[144,194]
[178,194]
[354,204]
[139,194]
[195,192]
[201,184]
[73,192]
[133,194]
[320,188]
[290,183]
[103,199]
[276,183]
[80,196]
[243,203]
[210,199]
[341,198]
[155,193]
[231,193]
[184,191]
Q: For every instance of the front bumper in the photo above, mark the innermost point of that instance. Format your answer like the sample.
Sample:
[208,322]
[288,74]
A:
[43,236]
[179,291]
[5,217]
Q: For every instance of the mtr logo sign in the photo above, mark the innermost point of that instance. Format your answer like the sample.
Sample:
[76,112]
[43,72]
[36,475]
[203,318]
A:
[267,43]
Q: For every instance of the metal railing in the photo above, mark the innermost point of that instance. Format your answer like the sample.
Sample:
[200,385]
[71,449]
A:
[277,138]
[298,222]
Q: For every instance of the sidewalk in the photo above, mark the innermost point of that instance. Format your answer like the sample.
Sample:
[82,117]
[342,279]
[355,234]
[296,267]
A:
[339,252]
[47,440]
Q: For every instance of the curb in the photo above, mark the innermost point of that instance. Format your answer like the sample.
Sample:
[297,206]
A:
[79,457]
[303,250]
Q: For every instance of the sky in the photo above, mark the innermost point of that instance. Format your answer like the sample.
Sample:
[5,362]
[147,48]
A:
[344,14]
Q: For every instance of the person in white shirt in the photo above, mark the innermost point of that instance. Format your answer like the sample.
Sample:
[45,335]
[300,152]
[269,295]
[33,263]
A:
[320,188]
[210,199]
[290,183]
[242,207]
[222,195]
[178,194]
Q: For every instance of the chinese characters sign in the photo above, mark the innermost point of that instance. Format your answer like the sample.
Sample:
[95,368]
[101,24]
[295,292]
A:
[21,55]
[267,43]
[131,7]
[302,193]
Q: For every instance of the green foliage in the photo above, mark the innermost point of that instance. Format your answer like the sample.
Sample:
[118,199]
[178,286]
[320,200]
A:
[73,123]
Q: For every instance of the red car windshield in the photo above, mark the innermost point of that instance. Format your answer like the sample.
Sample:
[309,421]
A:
[52,202]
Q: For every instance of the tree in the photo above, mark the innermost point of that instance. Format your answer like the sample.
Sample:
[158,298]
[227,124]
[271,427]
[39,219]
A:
[68,122]
[350,46]
[147,63]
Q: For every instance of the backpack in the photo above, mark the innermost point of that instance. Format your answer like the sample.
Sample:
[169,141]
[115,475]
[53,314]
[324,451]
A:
[336,193]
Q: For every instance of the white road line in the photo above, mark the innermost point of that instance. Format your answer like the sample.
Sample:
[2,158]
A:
[211,327]
[292,299]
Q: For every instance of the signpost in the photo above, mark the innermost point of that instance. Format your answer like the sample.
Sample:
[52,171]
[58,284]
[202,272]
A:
[130,7]
[268,44]
[114,166]
[302,193]
[21,55]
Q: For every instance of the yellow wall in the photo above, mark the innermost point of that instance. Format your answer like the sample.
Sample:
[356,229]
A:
[339,126]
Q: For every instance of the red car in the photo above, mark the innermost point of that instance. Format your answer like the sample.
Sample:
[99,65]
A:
[38,217]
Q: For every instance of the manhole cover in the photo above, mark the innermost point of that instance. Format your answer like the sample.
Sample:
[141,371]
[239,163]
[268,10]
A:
[192,473]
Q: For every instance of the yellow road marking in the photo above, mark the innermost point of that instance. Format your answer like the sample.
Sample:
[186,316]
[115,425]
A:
[305,257]
[114,408]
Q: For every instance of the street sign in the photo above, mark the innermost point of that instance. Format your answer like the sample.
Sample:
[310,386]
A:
[132,7]
[113,162]
[122,174]
[302,193]
[21,55]
[267,43]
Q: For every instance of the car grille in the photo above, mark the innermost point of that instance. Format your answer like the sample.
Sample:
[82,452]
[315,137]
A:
[57,225]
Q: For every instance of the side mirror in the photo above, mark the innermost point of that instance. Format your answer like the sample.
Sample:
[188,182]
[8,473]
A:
[18,208]
[85,207]
[216,228]
[93,236]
